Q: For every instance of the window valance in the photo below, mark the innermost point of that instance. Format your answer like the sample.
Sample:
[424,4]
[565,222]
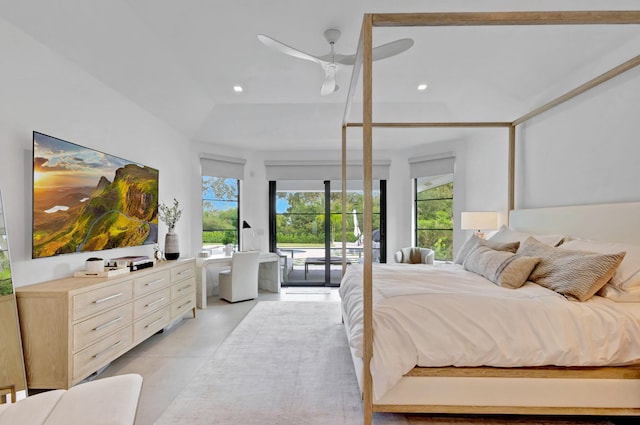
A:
[222,166]
[432,165]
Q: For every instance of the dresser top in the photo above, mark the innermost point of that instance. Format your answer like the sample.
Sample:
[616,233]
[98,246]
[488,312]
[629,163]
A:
[68,284]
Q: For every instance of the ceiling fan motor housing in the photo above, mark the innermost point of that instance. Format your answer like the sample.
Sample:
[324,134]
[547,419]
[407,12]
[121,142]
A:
[332,35]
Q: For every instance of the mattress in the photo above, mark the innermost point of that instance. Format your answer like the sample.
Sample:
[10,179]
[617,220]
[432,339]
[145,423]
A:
[442,315]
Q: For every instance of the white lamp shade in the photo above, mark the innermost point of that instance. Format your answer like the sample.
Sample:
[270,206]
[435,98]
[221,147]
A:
[479,220]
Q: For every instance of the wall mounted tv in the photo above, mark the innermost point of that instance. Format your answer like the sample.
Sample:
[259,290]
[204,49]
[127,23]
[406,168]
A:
[86,200]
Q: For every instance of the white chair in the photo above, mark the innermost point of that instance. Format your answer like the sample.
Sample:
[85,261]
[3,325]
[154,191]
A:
[414,255]
[286,265]
[241,282]
[107,401]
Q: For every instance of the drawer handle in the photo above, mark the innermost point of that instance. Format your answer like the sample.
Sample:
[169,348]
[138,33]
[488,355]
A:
[155,302]
[109,323]
[184,287]
[184,305]
[153,323]
[188,271]
[155,282]
[103,352]
[101,300]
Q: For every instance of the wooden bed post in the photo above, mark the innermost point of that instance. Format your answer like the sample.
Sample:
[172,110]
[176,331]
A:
[344,199]
[367,156]
[512,169]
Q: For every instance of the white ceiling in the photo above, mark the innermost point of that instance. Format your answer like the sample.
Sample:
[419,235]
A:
[179,59]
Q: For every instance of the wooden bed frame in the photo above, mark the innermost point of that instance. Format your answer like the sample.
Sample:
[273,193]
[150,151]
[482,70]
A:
[565,391]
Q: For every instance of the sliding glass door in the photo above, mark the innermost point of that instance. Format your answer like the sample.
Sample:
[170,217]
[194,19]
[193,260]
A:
[306,230]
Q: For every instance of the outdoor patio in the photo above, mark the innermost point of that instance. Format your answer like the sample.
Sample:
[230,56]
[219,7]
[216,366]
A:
[308,264]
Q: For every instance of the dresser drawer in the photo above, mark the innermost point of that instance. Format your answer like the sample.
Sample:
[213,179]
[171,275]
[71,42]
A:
[97,355]
[152,302]
[182,305]
[91,330]
[151,282]
[180,289]
[93,302]
[144,328]
[185,271]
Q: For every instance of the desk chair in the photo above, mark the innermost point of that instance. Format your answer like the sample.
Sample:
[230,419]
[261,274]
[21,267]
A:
[241,282]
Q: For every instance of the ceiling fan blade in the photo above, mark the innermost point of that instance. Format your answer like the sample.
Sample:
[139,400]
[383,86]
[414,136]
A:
[329,85]
[383,51]
[287,50]
[392,49]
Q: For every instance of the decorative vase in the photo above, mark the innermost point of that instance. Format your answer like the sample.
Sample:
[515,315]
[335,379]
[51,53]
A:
[171,246]
[228,249]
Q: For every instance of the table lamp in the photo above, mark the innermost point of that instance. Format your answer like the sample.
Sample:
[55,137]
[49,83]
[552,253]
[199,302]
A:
[479,220]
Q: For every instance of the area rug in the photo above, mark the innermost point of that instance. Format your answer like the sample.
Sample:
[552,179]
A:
[288,363]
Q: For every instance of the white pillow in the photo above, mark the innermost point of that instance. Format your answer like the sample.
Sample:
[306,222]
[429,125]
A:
[631,295]
[506,234]
[628,273]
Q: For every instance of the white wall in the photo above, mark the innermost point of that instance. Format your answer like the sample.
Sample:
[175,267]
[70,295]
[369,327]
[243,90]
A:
[42,91]
[480,178]
[585,151]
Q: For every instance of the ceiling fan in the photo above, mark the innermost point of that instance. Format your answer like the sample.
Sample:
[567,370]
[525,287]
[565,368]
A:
[332,61]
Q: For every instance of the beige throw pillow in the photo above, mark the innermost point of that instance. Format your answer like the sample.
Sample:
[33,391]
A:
[574,274]
[471,243]
[503,268]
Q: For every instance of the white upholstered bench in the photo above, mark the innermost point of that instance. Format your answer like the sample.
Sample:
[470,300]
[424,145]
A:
[107,401]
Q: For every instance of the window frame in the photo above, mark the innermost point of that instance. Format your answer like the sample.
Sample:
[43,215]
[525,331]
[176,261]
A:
[238,229]
[416,202]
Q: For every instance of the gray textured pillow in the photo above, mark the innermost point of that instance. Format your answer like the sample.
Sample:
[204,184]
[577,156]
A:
[503,268]
[471,243]
[574,274]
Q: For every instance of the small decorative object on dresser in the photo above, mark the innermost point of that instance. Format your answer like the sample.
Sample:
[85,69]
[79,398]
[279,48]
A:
[170,216]
[171,245]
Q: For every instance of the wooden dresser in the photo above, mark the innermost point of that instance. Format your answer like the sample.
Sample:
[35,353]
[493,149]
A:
[72,327]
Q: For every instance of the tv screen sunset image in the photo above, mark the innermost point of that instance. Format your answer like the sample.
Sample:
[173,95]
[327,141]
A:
[86,200]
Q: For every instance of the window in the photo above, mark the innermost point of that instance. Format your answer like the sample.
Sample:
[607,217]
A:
[434,214]
[220,211]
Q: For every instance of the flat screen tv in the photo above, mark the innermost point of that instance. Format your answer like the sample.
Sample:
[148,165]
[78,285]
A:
[86,200]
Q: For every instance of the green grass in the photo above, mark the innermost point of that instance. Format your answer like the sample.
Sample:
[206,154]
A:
[6,287]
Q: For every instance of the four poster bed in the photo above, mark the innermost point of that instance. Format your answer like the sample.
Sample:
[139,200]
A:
[486,347]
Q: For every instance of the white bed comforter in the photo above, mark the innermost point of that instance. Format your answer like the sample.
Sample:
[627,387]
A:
[443,315]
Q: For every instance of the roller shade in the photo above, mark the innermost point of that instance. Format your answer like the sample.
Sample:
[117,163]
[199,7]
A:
[432,165]
[323,170]
[222,166]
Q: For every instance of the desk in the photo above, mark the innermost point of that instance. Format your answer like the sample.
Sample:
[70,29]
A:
[268,274]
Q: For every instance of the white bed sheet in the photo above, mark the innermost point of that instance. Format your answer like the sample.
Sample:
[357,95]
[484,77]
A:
[442,315]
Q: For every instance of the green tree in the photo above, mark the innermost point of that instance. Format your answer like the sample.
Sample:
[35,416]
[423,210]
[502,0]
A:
[219,210]
[434,220]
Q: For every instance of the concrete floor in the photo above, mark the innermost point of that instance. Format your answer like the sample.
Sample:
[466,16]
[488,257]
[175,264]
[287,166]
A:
[167,361]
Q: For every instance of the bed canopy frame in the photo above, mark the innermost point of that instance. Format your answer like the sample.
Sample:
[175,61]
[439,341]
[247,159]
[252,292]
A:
[364,62]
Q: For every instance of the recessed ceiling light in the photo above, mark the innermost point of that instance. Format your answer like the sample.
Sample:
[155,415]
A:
[422,87]
[237,89]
